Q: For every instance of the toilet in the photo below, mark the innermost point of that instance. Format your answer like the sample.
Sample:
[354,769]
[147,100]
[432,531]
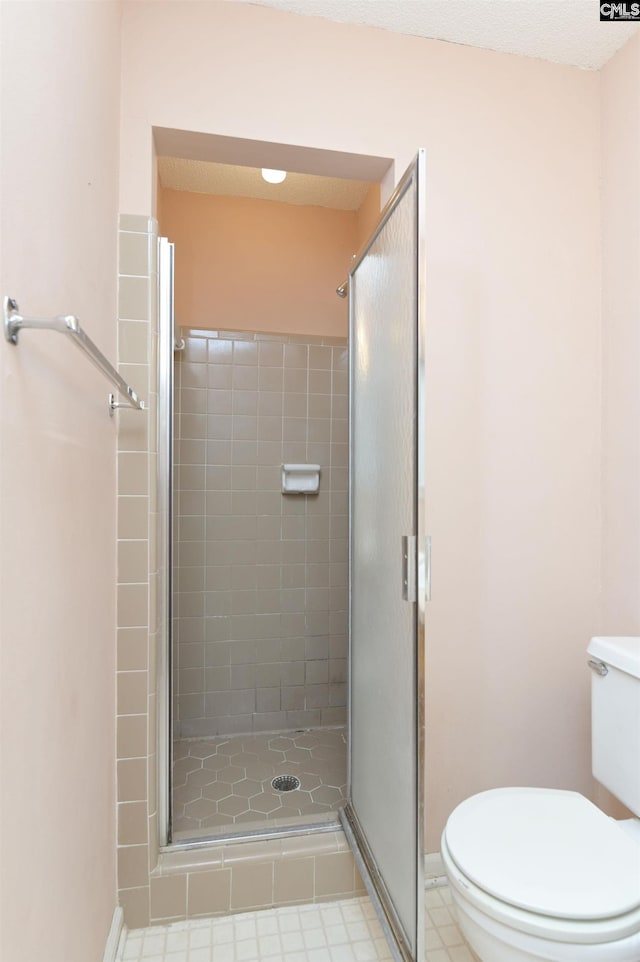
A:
[542,874]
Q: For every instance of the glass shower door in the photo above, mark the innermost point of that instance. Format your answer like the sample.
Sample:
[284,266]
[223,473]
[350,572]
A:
[383,816]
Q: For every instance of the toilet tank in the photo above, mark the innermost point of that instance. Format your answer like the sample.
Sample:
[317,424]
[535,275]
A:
[615,716]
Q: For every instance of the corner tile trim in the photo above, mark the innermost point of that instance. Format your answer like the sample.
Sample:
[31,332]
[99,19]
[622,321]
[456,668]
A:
[116,933]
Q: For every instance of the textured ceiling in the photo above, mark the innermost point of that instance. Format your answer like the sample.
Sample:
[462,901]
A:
[563,31]
[203,177]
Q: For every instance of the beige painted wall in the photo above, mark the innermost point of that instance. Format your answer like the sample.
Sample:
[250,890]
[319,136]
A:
[621,340]
[514,356]
[245,263]
[57,486]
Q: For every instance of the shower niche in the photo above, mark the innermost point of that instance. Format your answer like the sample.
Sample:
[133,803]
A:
[259,575]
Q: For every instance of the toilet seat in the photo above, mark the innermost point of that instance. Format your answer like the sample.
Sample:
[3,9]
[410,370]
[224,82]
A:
[545,862]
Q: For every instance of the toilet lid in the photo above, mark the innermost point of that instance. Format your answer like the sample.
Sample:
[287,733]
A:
[546,851]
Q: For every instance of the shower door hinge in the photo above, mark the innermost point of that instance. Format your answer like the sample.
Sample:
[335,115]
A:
[409,567]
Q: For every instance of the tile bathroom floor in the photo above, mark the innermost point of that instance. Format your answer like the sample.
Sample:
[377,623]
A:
[226,781]
[345,931]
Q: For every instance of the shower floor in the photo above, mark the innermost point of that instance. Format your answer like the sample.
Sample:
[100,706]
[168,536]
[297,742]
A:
[224,783]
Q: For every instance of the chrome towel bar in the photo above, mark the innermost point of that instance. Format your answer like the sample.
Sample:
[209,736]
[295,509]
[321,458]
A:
[14,322]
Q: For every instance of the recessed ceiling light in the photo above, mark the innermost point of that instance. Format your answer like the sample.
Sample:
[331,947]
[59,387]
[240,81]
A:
[273,176]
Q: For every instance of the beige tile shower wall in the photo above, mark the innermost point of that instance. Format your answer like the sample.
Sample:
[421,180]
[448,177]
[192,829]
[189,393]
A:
[261,579]
[137,568]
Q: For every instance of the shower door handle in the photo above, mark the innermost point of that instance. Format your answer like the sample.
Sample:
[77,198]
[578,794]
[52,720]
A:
[409,567]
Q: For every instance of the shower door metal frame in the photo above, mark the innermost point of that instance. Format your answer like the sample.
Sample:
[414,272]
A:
[419,590]
[164,496]
[169,341]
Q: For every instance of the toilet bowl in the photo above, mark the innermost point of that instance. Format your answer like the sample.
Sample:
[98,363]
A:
[540,874]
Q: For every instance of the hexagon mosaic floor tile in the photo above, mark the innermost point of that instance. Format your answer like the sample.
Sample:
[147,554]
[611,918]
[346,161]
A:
[224,783]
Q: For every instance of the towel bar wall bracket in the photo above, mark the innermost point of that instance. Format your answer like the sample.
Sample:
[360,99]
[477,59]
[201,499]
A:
[14,322]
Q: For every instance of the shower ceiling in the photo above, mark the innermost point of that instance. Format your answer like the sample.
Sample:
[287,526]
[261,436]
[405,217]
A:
[204,177]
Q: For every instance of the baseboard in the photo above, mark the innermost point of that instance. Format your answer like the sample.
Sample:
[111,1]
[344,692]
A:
[113,938]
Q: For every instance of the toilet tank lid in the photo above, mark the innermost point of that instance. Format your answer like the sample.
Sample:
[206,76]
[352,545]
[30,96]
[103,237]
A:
[621,652]
[547,851]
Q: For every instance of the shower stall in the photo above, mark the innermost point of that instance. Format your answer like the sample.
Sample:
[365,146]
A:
[260,582]
[294,621]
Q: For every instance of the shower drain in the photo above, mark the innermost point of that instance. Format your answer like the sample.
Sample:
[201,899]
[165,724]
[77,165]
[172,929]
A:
[285,783]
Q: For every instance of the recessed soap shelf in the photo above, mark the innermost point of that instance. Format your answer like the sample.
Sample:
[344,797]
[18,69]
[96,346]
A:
[300,478]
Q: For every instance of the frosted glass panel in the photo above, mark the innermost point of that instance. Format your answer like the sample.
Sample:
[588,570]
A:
[383,630]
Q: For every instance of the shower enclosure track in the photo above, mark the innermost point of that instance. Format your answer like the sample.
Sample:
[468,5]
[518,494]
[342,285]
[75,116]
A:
[267,834]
